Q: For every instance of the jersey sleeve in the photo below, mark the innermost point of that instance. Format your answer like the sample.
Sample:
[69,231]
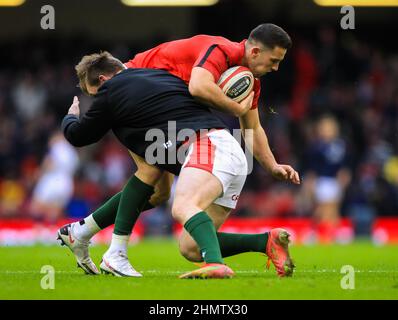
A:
[214,60]
[257,91]
[92,126]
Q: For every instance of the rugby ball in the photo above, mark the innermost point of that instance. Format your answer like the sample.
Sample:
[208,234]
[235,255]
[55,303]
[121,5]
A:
[236,82]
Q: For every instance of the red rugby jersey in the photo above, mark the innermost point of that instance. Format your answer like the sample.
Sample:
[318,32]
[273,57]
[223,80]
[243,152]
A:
[215,54]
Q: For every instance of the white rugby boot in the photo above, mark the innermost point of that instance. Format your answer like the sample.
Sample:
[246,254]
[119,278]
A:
[118,264]
[78,247]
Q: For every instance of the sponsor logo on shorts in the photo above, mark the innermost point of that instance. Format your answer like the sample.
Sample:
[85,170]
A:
[235,197]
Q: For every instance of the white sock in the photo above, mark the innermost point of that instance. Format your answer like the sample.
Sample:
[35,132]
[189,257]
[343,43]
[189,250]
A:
[86,229]
[119,243]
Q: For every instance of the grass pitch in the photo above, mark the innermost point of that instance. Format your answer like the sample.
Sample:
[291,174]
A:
[318,274]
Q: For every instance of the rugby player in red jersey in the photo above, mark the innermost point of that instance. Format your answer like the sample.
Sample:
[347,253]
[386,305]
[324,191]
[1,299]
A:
[199,61]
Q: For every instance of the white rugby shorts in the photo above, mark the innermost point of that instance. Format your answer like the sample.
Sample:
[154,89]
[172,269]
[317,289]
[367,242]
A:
[218,152]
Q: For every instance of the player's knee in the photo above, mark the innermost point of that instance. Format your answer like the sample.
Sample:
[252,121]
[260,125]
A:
[178,211]
[148,174]
[182,209]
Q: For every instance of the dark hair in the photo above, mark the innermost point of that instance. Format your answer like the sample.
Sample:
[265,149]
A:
[92,66]
[270,35]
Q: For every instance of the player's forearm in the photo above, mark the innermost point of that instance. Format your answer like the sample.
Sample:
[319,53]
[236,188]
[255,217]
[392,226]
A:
[69,128]
[211,95]
[75,133]
[257,142]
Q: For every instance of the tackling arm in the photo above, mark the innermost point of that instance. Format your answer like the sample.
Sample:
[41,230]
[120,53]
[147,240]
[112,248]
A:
[90,128]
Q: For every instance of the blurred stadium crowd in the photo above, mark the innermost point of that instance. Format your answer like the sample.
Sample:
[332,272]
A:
[331,111]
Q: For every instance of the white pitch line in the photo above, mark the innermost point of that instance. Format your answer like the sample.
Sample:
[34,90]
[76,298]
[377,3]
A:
[35,271]
[261,272]
[182,271]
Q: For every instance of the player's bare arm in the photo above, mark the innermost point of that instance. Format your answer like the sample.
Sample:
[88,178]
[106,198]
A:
[257,142]
[202,86]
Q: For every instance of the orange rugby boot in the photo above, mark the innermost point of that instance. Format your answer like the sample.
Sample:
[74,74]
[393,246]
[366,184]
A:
[210,271]
[277,250]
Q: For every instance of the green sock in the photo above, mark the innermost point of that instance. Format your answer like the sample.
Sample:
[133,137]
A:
[202,230]
[105,215]
[134,195]
[235,243]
